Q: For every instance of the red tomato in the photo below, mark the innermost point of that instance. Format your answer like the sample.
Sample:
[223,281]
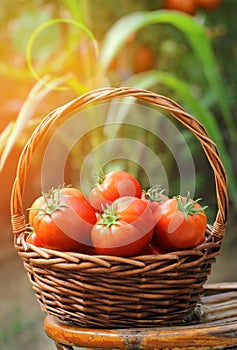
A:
[154,196]
[208,4]
[113,185]
[65,220]
[33,239]
[180,224]
[124,229]
[152,250]
[186,6]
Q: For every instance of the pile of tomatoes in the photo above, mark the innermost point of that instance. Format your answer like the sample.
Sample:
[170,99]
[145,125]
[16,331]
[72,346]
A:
[118,218]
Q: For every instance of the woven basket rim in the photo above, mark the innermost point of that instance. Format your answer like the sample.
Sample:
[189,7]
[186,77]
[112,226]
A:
[106,261]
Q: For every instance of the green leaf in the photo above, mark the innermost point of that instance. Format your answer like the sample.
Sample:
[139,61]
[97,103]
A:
[47,40]
[73,6]
[79,10]
[195,34]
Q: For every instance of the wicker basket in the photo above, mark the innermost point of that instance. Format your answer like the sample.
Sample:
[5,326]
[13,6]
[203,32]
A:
[108,291]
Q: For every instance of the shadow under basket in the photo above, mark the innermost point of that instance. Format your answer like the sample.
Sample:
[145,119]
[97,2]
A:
[109,291]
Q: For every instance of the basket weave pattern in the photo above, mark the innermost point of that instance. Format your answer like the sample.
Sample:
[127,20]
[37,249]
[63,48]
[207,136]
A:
[108,291]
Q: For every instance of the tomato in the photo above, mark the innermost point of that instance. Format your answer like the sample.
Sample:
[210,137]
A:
[154,196]
[208,4]
[124,229]
[65,220]
[186,6]
[180,224]
[33,239]
[144,58]
[113,185]
[153,250]
[34,209]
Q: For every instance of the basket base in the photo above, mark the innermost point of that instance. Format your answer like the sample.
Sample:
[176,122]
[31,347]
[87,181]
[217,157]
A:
[155,314]
[217,328]
[112,292]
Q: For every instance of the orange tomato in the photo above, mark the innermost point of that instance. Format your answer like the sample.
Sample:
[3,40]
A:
[144,58]
[208,4]
[186,6]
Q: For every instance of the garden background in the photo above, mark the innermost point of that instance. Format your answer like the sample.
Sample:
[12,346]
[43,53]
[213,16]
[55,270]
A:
[53,51]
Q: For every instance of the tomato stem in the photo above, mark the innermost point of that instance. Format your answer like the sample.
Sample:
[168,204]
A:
[109,217]
[99,178]
[186,205]
[154,194]
[53,202]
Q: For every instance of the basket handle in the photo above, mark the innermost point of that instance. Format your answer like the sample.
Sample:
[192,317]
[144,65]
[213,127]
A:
[103,94]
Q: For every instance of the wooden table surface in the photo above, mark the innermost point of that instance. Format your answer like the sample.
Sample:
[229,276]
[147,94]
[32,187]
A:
[217,329]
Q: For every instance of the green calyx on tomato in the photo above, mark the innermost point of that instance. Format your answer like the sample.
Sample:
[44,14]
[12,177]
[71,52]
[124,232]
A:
[52,201]
[188,206]
[155,194]
[100,177]
[109,216]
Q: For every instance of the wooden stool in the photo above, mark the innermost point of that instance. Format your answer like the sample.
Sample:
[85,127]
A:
[217,331]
